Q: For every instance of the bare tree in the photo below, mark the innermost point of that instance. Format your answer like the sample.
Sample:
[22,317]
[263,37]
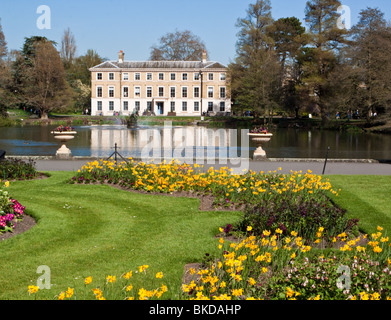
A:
[3,44]
[68,47]
[178,46]
[46,87]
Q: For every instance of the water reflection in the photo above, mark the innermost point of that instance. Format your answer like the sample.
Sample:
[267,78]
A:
[169,142]
[98,141]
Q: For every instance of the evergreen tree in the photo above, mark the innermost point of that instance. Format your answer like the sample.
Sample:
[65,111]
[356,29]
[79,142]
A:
[255,74]
[319,59]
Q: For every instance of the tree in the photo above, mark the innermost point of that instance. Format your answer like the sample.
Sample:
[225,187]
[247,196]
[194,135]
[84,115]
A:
[45,86]
[79,78]
[178,46]
[289,37]
[3,44]
[370,57]
[5,76]
[79,69]
[318,60]
[255,74]
[68,48]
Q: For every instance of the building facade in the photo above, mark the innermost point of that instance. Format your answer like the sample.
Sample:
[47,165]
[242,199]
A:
[181,88]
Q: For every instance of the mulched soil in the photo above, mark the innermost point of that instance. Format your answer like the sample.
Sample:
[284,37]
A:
[20,226]
[26,223]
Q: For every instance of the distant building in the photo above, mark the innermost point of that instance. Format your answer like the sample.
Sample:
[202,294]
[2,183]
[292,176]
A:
[182,88]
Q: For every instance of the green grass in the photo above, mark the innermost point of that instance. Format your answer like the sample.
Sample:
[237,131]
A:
[367,198]
[99,230]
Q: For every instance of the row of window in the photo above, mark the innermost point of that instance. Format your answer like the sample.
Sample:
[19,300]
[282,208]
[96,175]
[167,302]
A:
[173,92]
[196,106]
[149,76]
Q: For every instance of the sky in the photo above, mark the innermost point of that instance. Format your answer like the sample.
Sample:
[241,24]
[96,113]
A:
[108,26]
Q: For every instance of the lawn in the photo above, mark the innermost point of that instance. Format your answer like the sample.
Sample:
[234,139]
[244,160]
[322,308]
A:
[97,230]
[366,198]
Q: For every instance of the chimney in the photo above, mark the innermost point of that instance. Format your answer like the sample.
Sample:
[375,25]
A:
[204,56]
[121,56]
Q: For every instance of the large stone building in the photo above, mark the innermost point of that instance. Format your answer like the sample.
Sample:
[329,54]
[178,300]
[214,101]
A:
[182,88]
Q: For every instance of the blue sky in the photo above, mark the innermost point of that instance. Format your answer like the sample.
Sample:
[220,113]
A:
[108,26]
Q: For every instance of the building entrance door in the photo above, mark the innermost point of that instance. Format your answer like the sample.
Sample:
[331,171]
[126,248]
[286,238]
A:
[160,108]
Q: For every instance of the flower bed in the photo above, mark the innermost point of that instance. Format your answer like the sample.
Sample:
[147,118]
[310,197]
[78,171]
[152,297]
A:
[288,221]
[272,200]
[281,267]
[10,209]
[16,169]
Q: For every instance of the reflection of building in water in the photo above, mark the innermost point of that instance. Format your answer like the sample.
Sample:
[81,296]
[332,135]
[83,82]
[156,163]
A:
[167,142]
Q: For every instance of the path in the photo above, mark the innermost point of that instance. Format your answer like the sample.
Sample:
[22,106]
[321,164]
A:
[333,167]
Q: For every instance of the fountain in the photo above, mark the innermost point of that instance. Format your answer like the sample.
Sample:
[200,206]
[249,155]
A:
[260,136]
[64,134]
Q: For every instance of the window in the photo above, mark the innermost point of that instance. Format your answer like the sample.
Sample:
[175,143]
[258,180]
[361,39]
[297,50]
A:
[196,76]
[222,106]
[111,105]
[99,105]
[184,76]
[111,92]
[149,92]
[173,76]
[222,92]
[137,105]
[149,76]
[137,76]
[149,106]
[99,92]
[161,76]
[125,76]
[210,106]
[126,105]
[222,76]
[125,92]
[210,92]
[137,91]
[184,92]
[161,91]
[196,92]
[196,106]
[111,76]
[172,106]
[210,76]
[184,106]
[172,92]
[99,76]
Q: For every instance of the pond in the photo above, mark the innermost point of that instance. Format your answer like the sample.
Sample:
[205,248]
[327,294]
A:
[194,141]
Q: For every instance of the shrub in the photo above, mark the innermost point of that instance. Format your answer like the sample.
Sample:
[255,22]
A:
[297,214]
[16,169]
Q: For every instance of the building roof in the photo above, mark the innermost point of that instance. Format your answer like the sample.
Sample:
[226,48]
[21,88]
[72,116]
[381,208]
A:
[159,65]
